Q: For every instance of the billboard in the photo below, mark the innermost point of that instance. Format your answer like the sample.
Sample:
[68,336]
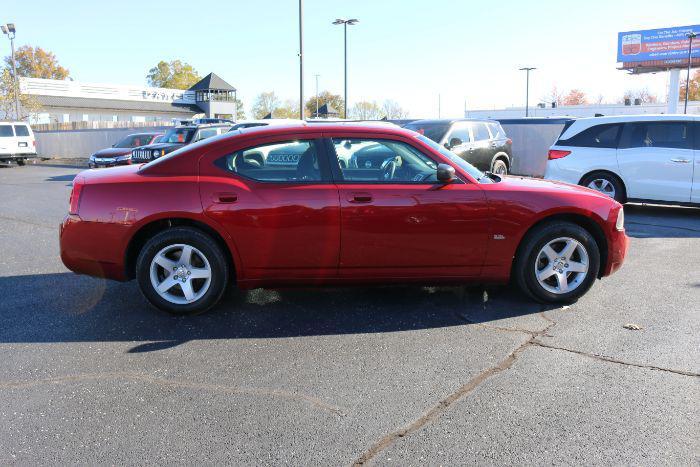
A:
[663,46]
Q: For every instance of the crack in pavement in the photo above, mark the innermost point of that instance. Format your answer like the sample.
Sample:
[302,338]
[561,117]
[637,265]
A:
[614,360]
[179,384]
[444,404]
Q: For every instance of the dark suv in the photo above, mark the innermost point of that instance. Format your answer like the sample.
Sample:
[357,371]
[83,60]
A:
[175,138]
[482,143]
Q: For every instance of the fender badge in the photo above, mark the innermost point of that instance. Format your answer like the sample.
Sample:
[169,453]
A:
[499,237]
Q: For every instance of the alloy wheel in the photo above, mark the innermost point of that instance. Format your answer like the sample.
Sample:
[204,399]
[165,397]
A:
[180,274]
[604,186]
[561,265]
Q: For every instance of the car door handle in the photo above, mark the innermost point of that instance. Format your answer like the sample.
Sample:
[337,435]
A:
[681,161]
[360,198]
[225,198]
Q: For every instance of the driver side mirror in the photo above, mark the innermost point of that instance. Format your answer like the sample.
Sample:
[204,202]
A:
[445,173]
[453,143]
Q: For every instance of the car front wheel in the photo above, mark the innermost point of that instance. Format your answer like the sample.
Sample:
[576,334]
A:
[557,262]
[182,271]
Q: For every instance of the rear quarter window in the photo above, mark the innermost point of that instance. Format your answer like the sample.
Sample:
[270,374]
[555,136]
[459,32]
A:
[598,136]
[21,130]
[6,131]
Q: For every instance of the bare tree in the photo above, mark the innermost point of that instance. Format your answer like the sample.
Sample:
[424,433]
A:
[393,110]
[366,111]
[264,104]
[643,94]
[553,96]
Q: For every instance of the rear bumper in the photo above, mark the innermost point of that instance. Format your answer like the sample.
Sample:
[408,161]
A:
[81,255]
[9,157]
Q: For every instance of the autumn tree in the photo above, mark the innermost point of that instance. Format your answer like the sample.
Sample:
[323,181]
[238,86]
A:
[575,97]
[35,62]
[642,94]
[693,90]
[325,97]
[364,110]
[264,104]
[174,74]
[393,111]
[288,109]
[28,104]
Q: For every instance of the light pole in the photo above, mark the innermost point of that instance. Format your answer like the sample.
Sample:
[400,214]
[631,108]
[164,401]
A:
[690,36]
[9,30]
[301,59]
[316,76]
[345,23]
[527,88]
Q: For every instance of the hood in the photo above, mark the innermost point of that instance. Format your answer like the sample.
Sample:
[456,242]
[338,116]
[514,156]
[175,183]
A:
[539,185]
[112,152]
[166,146]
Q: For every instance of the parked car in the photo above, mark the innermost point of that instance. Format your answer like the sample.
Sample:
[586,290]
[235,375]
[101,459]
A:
[17,143]
[648,158]
[482,143]
[120,152]
[175,138]
[190,224]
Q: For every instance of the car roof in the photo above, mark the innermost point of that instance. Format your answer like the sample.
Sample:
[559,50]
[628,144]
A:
[340,127]
[581,124]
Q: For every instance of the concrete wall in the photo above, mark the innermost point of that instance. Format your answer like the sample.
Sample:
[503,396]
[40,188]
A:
[588,110]
[82,143]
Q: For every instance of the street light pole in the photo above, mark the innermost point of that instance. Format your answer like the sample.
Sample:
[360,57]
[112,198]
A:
[301,59]
[9,29]
[317,94]
[345,23]
[527,88]
[691,36]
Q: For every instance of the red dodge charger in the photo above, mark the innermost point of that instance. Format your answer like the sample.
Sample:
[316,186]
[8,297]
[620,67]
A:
[333,204]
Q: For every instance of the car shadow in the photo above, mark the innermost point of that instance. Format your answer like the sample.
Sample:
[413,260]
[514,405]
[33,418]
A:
[654,221]
[61,178]
[69,308]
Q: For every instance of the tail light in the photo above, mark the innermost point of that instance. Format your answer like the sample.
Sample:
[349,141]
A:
[509,141]
[34,142]
[75,194]
[557,154]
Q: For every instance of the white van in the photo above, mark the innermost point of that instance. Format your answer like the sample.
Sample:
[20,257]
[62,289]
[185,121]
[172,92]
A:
[17,142]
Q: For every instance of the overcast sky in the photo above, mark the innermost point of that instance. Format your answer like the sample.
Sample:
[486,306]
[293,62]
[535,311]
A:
[406,50]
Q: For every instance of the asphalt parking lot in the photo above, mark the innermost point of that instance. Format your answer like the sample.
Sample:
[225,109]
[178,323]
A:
[89,373]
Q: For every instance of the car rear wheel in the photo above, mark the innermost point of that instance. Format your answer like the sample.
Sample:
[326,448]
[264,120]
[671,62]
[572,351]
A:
[182,271]
[20,162]
[557,262]
[499,167]
[605,183]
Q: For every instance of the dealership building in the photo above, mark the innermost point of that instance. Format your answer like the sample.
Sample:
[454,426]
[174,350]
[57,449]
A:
[65,101]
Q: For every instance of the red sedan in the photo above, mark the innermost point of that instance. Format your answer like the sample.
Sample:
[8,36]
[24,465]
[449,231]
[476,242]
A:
[333,204]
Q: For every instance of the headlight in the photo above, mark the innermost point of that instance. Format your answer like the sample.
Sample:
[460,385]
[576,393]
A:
[620,224]
[92,158]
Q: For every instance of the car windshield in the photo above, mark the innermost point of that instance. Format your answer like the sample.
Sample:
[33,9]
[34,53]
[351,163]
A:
[434,131]
[133,141]
[464,165]
[178,135]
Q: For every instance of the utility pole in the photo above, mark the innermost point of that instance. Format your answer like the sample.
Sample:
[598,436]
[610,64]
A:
[527,88]
[301,59]
[317,94]
[9,30]
[691,36]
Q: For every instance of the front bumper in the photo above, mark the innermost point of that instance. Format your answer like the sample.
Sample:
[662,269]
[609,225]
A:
[618,245]
[95,163]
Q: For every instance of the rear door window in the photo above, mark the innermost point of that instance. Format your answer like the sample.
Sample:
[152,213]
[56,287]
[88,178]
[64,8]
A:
[481,132]
[21,130]
[6,131]
[598,136]
[460,131]
[497,131]
[675,135]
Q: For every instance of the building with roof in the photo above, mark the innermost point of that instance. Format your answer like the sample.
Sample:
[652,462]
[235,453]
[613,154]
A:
[64,101]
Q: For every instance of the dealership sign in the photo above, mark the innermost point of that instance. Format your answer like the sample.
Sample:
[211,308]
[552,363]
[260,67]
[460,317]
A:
[667,45]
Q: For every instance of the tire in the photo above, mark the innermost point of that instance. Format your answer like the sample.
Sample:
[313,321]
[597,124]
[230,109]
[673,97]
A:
[532,259]
[499,167]
[207,262]
[604,182]
[20,162]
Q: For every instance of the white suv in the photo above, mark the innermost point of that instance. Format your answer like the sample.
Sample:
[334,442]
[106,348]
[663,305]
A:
[654,158]
[17,142]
